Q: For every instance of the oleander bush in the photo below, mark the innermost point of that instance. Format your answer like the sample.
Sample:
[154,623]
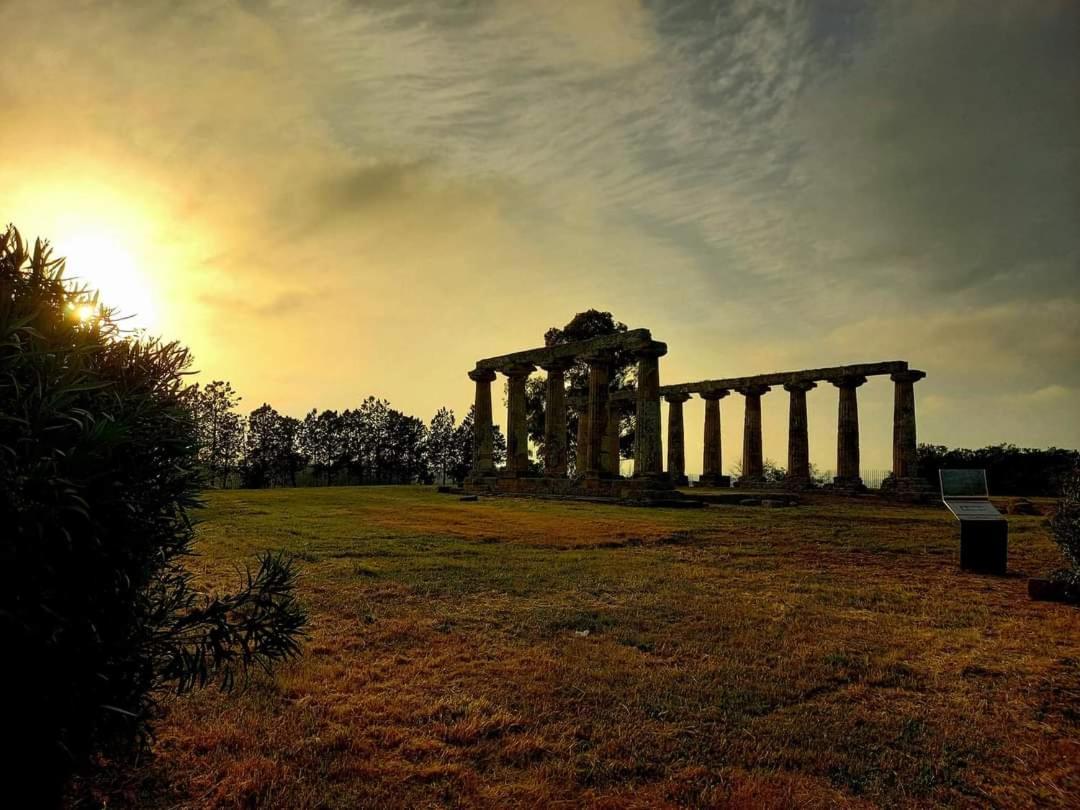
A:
[1065,527]
[98,477]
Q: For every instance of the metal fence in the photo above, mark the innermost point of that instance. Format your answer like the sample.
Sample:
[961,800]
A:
[871,478]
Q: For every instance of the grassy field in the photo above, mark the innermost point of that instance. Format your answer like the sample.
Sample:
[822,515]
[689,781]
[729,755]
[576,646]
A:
[521,653]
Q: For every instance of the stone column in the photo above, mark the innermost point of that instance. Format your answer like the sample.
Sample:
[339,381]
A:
[753,464]
[904,442]
[582,444]
[599,376]
[798,454]
[517,434]
[847,434]
[648,445]
[676,442]
[609,453]
[555,420]
[483,434]
[712,462]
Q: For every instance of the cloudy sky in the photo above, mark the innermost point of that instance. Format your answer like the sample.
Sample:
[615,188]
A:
[329,200]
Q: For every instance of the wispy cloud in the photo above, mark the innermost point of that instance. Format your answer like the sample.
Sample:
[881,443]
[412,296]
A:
[761,182]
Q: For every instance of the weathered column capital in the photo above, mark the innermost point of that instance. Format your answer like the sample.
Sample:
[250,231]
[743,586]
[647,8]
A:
[853,381]
[799,385]
[653,349]
[482,375]
[604,358]
[562,364]
[719,393]
[518,370]
[910,376]
[754,390]
[672,399]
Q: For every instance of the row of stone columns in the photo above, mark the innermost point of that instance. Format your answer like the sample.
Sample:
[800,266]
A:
[598,423]
[798,460]
[598,426]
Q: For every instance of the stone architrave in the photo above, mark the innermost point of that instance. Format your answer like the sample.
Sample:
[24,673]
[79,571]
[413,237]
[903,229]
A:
[648,444]
[599,377]
[712,462]
[676,447]
[798,465]
[753,463]
[517,435]
[483,463]
[555,460]
[847,434]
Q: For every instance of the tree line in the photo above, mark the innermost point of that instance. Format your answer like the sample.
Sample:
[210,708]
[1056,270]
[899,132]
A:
[372,443]
[1010,470]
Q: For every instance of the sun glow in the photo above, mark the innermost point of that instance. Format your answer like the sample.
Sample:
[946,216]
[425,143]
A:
[101,261]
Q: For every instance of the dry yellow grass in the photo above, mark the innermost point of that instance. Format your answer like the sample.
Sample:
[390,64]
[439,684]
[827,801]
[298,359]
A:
[822,656]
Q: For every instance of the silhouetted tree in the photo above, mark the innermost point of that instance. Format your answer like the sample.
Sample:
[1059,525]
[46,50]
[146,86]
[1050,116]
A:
[1010,470]
[272,456]
[99,468]
[440,444]
[1065,527]
[322,443]
[464,440]
[406,436]
[219,428]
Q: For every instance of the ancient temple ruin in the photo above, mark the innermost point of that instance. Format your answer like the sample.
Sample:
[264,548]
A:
[597,460]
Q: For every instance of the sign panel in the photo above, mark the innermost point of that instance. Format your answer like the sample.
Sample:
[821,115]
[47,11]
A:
[963,484]
[973,510]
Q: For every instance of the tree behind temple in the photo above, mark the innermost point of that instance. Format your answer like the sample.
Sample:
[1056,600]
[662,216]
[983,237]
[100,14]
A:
[465,442]
[440,444]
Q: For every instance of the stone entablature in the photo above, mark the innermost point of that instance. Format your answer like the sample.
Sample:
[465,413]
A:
[780,378]
[633,340]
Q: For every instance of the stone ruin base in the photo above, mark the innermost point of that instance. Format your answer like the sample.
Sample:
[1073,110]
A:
[914,490]
[713,480]
[846,486]
[644,491]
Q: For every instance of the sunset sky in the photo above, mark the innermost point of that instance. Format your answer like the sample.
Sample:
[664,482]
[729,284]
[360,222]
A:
[327,200]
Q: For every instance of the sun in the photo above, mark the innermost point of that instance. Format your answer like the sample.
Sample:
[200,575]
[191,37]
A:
[101,261]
